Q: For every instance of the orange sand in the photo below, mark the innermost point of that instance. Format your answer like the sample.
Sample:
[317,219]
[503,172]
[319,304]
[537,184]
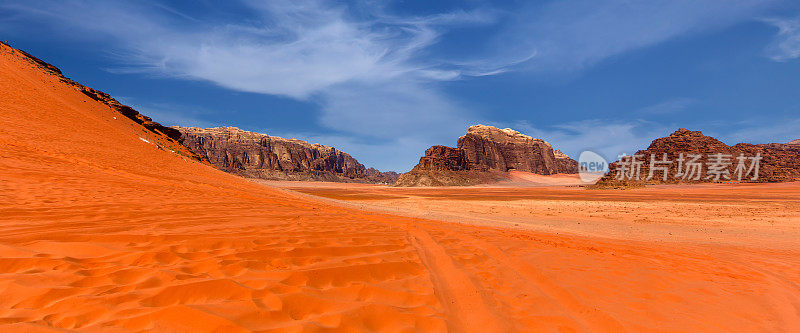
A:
[100,230]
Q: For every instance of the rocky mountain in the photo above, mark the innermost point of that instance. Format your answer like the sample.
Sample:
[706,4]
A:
[779,162]
[257,155]
[484,155]
[794,142]
[165,138]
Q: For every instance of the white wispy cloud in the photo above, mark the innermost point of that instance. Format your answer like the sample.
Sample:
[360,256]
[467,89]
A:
[780,130]
[292,48]
[371,72]
[668,107]
[786,45]
[365,71]
[607,137]
[572,35]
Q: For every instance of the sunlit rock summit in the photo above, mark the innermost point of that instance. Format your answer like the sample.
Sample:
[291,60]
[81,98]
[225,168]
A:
[485,154]
[256,155]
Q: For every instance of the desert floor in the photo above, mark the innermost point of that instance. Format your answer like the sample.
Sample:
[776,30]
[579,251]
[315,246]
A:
[752,215]
[709,257]
[104,228]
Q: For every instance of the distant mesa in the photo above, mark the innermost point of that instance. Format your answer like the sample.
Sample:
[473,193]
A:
[794,142]
[779,163]
[485,155]
[256,155]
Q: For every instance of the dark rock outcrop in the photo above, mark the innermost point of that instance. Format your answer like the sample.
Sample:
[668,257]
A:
[256,155]
[484,155]
[127,111]
[779,162]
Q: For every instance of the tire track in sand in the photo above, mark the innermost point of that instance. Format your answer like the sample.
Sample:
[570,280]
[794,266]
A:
[591,318]
[463,302]
[465,308]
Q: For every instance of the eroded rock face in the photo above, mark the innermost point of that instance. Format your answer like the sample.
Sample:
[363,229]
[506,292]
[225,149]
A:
[490,148]
[257,155]
[442,158]
[565,164]
[483,155]
[780,162]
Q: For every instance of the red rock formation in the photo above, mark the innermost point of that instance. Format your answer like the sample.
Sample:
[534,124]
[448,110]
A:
[780,162]
[565,164]
[257,155]
[485,154]
[441,158]
[491,148]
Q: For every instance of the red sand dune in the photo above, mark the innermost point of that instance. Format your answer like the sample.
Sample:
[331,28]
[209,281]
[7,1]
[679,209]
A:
[102,231]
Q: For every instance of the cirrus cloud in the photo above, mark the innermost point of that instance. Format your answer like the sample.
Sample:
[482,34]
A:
[373,73]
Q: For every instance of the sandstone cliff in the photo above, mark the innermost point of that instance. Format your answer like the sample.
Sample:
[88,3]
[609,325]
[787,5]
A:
[257,155]
[484,155]
[490,148]
[780,162]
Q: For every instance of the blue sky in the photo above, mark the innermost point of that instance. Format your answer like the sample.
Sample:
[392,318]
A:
[384,80]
